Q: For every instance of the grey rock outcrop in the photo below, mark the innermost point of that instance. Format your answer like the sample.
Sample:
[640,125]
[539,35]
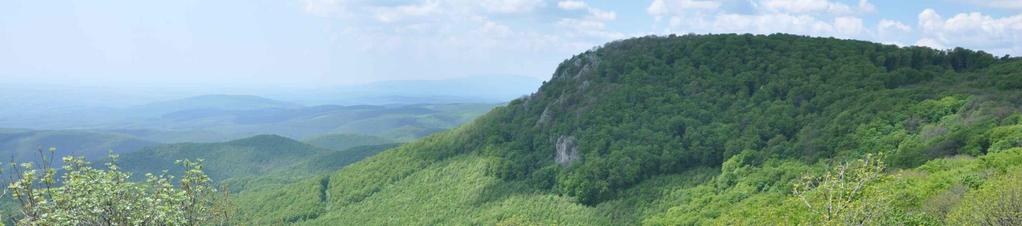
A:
[567,151]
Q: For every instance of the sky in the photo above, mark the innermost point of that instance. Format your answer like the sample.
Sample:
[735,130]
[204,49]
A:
[318,43]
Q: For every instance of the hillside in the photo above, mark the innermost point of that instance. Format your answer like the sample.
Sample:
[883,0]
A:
[250,156]
[24,145]
[345,141]
[267,159]
[701,129]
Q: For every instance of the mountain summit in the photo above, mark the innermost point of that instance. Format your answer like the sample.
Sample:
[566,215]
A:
[693,129]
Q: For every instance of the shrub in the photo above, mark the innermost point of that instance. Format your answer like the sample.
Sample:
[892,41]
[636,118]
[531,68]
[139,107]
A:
[84,195]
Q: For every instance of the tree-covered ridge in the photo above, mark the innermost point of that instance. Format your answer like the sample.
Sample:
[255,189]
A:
[258,161]
[648,106]
[700,129]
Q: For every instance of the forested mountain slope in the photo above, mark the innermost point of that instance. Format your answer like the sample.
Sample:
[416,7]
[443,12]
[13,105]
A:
[345,141]
[703,129]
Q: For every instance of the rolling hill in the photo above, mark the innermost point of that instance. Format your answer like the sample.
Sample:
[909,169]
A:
[703,129]
[345,141]
[24,145]
[263,160]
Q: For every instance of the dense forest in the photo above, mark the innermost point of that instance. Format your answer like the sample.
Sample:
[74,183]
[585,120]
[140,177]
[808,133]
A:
[706,129]
[659,130]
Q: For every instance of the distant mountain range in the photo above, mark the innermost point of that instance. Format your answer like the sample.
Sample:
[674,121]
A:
[476,89]
[24,145]
[394,110]
[398,122]
[211,118]
[219,102]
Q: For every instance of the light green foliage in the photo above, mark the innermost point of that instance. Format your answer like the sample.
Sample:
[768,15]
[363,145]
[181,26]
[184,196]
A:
[998,202]
[456,192]
[843,195]
[297,202]
[1005,137]
[90,196]
[739,193]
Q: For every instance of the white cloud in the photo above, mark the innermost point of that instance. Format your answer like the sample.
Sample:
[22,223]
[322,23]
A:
[766,23]
[602,15]
[591,24]
[892,27]
[323,7]
[658,8]
[572,5]
[971,30]
[471,30]
[893,32]
[813,7]
[808,17]
[497,30]
[697,4]
[804,6]
[930,21]
[509,6]
[395,13]
[1002,4]
[580,24]
[425,33]
[865,6]
[929,42]
[848,26]
[661,8]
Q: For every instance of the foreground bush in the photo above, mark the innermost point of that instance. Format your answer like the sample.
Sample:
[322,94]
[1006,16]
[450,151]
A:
[83,195]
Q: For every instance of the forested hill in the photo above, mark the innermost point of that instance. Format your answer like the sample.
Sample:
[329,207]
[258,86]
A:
[258,161]
[699,129]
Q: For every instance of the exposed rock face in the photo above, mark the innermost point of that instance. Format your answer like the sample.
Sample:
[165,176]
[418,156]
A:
[567,151]
[545,117]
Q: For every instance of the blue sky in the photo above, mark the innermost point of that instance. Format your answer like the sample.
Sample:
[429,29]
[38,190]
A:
[315,43]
